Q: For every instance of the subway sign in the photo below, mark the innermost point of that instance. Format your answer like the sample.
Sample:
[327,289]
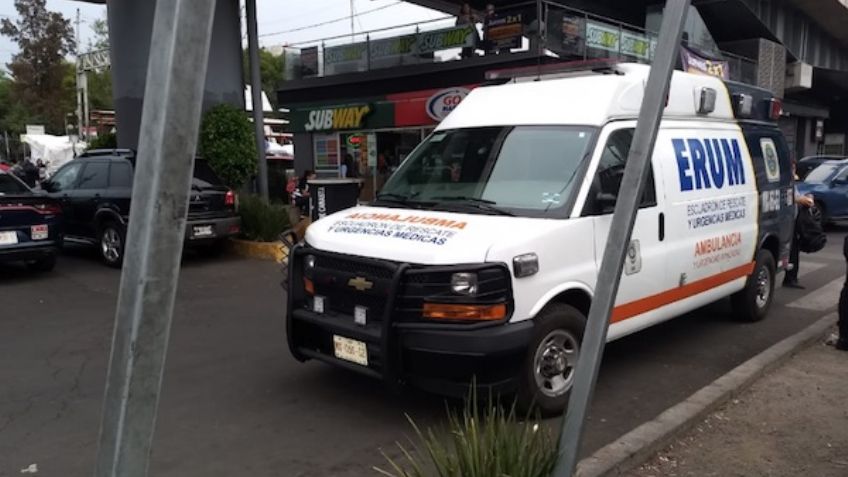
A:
[345,117]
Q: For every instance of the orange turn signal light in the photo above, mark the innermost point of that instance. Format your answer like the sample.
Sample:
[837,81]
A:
[444,311]
[309,286]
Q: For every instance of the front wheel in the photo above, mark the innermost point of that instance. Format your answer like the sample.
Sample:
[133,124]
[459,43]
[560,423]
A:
[754,301]
[551,361]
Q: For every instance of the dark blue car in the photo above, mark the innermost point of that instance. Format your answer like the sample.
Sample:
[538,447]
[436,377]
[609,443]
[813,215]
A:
[30,225]
[828,183]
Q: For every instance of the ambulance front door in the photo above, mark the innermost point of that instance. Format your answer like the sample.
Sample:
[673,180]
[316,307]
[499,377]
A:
[644,276]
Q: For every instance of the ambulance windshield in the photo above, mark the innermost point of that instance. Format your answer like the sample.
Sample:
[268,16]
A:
[526,170]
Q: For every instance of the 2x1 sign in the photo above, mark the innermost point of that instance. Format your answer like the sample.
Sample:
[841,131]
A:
[443,102]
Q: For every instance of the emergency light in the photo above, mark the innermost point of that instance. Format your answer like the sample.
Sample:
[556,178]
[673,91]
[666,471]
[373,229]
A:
[561,68]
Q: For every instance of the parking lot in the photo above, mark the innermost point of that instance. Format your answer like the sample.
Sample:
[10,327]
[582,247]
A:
[235,403]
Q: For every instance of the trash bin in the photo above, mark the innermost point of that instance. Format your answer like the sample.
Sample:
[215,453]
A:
[328,196]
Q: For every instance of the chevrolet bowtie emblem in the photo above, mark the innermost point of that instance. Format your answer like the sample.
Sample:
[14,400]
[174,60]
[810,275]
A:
[360,283]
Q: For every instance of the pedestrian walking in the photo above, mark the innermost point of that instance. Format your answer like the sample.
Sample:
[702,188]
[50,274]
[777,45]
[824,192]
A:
[790,280]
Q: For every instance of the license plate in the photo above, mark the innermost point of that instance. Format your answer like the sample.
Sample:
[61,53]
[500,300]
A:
[360,315]
[8,238]
[38,232]
[200,231]
[350,350]
[318,304]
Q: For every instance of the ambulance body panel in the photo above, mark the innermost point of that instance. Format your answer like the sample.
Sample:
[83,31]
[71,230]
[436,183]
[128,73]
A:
[492,277]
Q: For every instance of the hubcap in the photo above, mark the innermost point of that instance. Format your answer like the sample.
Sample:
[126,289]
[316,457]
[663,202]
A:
[554,363]
[110,245]
[763,287]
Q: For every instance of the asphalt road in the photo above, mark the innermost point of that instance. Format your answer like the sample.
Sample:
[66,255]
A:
[235,402]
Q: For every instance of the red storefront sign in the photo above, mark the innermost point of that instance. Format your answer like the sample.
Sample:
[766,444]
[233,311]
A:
[427,107]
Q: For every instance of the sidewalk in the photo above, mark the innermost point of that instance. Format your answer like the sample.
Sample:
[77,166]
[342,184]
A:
[791,422]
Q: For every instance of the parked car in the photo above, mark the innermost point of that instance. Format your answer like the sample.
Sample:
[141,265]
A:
[95,189]
[807,164]
[828,183]
[30,225]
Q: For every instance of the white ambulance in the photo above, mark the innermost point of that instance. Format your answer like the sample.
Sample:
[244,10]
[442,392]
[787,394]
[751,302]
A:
[480,257]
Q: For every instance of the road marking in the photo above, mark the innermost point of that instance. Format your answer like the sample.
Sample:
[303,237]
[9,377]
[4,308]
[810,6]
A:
[822,298]
[810,267]
[825,256]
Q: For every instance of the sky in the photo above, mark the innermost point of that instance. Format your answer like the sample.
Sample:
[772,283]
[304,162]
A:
[276,19]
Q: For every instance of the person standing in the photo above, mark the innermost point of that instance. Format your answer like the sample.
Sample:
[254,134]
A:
[790,280]
[467,17]
[300,197]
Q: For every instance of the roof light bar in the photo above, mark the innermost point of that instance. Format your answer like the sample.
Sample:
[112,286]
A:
[553,68]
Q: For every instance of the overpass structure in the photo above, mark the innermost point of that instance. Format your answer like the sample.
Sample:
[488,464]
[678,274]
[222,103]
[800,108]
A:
[800,48]
[130,28]
[796,48]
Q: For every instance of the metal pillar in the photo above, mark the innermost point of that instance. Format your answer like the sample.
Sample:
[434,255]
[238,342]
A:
[621,229]
[179,53]
[256,90]
[85,113]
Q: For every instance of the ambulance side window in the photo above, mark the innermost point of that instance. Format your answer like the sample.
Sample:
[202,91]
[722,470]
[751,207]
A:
[607,181]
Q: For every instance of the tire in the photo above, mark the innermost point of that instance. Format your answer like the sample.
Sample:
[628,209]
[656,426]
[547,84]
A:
[546,377]
[820,213]
[754,301]
[44,264]
[111,240]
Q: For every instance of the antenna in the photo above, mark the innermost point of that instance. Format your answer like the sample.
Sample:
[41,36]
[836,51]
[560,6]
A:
[352,15]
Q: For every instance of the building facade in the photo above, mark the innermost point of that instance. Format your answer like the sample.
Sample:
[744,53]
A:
[360,105]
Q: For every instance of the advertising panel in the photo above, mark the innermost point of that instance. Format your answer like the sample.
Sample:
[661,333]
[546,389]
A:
[504,30]
[695,63]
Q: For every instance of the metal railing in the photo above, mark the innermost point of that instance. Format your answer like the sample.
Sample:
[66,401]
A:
[564,32]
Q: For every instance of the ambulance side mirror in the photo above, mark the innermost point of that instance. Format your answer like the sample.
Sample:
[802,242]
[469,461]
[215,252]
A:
[605,202]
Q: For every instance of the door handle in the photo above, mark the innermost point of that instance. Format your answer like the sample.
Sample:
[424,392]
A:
[662,226]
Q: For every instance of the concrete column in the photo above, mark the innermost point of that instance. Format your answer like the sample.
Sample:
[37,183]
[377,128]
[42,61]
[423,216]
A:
[130,25]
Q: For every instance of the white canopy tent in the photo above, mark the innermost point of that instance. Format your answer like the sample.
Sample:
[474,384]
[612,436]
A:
[54,151]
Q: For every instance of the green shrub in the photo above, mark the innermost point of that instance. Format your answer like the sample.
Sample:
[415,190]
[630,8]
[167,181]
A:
[227,141]
[491,443]
[262,221]
[104,141]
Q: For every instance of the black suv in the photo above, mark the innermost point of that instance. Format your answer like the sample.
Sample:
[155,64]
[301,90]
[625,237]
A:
[94,191]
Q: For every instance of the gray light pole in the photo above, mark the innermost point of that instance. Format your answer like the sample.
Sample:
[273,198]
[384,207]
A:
[621,229]
[256,97]
[179,52]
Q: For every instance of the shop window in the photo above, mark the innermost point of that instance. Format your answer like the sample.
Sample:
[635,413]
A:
[326,152]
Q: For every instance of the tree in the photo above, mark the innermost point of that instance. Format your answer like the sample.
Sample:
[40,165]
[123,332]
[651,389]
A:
[100,82]
[228,144]
[271,68]
[100,41]
[44,38]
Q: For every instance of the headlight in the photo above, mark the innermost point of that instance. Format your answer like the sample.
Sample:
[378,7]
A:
[464,283]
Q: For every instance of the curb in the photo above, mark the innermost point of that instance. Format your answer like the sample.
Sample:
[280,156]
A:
[633,448]
[275,251]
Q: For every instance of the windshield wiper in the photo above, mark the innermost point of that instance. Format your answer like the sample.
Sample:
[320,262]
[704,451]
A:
[401,199]
[477,203]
